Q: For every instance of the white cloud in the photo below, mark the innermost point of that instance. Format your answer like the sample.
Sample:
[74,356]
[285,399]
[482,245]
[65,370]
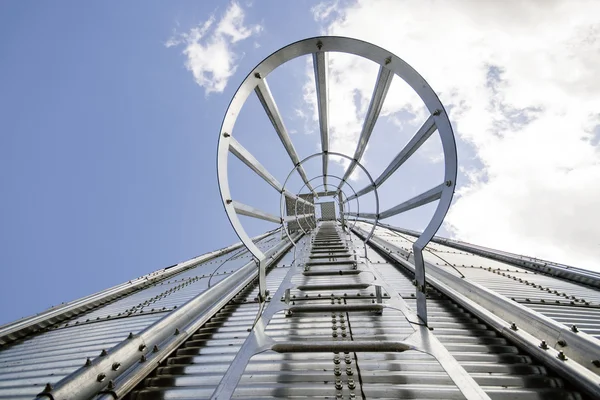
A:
[520,81]
[209,48]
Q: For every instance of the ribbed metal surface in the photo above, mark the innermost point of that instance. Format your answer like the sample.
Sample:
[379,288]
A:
[499,367]
[566,302]
[175,291]
[332,278]
[27,366]
[46,357]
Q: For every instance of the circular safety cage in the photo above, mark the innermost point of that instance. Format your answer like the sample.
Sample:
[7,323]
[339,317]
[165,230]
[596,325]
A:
[297,211]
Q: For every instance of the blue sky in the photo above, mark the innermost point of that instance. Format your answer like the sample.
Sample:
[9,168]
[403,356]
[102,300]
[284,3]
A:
[108,141]
[107,148]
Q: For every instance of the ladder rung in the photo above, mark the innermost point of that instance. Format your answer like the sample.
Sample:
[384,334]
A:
[335,307]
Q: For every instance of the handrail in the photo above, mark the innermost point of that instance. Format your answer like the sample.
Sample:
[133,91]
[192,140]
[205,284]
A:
[33,324]
[572,274]
[521,324]
[167,333]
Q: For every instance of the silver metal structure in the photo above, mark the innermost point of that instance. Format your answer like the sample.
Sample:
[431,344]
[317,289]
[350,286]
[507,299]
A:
[323,309]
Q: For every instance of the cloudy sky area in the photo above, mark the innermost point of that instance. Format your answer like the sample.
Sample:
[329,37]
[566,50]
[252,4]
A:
[109,128]
[521,87]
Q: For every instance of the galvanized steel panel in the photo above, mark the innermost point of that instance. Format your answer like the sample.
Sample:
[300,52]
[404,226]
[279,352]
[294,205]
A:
[499,367]
[26,366]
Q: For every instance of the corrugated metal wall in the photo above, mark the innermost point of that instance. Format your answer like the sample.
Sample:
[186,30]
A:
[193,371]
[566,302]
[503,370]
[27,365]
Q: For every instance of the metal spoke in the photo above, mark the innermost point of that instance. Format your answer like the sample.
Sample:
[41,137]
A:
[417,201]
[267,101]
[384,79]
[320,66]
[294,217]
[361,215]
[250,211]
[424,132]
[247,158]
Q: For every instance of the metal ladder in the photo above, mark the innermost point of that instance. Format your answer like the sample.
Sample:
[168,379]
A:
[331,277]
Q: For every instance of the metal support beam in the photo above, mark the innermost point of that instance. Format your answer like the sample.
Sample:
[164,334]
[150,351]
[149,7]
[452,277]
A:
[384,79]
[268,103]
[417,201]
[247,158]
[320,66]
[249,211]
[290,218]
[341,205]
[424,132]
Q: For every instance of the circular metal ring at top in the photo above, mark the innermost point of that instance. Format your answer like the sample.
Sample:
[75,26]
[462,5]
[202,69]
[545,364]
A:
[359,48]
[342,156]
[342,194]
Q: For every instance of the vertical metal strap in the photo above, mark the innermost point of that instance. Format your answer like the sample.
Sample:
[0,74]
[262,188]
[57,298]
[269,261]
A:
[421,286]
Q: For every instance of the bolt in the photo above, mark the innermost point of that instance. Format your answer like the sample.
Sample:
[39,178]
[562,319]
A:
[101,376]
[225,134]
[544,345]
[562,343]
[337,371]
[88,362]
[111,385]
[388,60]
[48,387]
[176,331]
[574,328]
[143,358]
[155,349]
[141,347]
[338,384]
[513,326]
[257,75]
[561,355]
[116,366]
[103,353]
[319,45]
[349,371]
[596,363]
